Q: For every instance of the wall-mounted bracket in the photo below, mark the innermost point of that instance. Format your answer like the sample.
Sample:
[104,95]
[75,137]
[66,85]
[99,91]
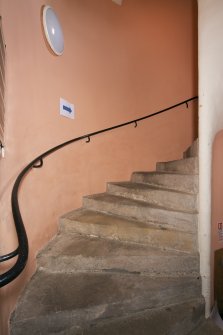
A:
[39,164]
[2,150]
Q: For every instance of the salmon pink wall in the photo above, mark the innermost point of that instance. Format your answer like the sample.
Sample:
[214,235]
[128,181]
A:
[120,63]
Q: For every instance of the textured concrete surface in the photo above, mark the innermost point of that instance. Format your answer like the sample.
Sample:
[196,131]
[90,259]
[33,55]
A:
[141,211]
[172,320]
[173,181]
[192,151]
[54,302]
[125,263]
[111,293]
[186,165]
[156,196]
[75,253]
[206,327]
[115,227]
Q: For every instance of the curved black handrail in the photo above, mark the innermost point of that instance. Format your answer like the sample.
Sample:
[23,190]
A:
[22,250]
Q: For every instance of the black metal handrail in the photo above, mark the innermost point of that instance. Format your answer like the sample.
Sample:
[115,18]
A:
[22,250]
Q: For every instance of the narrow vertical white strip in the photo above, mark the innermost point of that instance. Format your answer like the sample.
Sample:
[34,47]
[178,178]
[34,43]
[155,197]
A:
[2,84]
[210,16]
[205,159]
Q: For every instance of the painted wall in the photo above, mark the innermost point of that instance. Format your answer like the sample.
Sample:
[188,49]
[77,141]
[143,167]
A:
[210,123]
[120,63]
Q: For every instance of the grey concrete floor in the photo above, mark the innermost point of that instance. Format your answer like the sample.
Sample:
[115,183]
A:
[208,327]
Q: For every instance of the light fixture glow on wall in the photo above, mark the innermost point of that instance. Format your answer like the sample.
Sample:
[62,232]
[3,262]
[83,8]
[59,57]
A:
[53,30]
[118,2]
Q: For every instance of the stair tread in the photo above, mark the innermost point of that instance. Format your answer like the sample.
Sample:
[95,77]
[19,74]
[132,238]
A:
[69,253]
[186,159]
[67,245]
[127,201]
[157,321]
[207,327]
[168,180]
[147,187]
[158,196]
[110,226]
[98,296]
[95,217]
[188,165]
[167,172]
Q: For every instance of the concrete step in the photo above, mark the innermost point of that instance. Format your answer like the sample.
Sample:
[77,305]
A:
[207,327]
[141,211]
[186,165]
[54,302]
[174,181]
[192,151]
[69,253]
[157,196]
[93,223]
[179,319]
[125,263]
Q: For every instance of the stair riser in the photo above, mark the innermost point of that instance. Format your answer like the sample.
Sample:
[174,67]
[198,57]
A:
[189,165]
[161,238]
[183,183]
[163,198]
[180,220]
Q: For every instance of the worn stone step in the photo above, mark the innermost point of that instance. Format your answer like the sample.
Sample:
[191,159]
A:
[77,253]
[89,222]
[157,196]
[179,319]
[192,151]
[53,302]
[207,327]
[141,211]
[175,319]
[186,165]
[174,181]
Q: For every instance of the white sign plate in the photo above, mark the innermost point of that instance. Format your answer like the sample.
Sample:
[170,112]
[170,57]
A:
[66,109]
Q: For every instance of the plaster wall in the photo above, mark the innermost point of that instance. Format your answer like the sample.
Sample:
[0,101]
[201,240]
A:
[120,63]
[210,123]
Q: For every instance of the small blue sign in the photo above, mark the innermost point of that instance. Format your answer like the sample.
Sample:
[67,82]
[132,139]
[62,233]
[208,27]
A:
[66,109]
